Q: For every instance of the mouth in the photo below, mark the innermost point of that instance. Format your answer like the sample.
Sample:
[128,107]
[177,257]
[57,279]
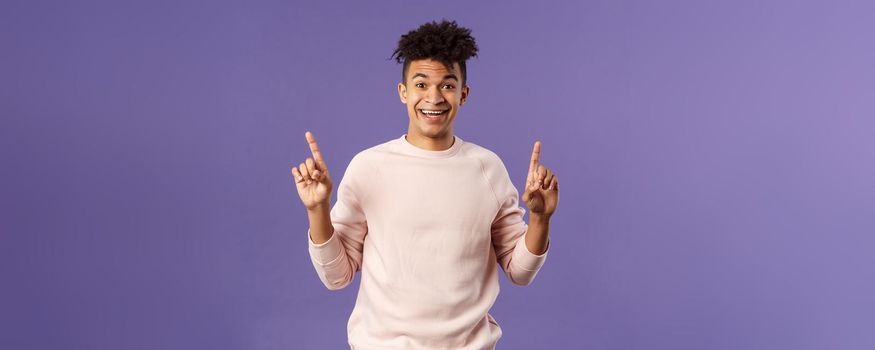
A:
[432,114]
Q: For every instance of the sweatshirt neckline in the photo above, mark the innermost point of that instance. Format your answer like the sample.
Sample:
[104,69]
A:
[449,152]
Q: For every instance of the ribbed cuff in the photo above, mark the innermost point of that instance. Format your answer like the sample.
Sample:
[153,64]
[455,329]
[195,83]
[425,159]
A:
[526,260]
[327,252]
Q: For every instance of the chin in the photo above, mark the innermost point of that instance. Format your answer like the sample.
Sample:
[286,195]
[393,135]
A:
[432,134]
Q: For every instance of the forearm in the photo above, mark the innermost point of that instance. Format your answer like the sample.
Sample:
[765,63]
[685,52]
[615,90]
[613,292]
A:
[336,259]
[536,237]
[321,229]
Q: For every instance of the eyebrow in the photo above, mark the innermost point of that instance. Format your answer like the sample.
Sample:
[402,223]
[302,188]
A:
[446,77]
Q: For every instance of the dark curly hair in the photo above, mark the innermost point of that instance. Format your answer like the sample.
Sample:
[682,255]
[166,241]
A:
[443,41]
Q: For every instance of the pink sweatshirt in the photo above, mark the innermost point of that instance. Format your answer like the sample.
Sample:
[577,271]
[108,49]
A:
[426,229]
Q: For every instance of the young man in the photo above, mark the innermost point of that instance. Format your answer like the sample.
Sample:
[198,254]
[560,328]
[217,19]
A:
[427,216]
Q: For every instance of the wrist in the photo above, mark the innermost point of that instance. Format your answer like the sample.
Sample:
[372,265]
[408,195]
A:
[539,217]
[318,207]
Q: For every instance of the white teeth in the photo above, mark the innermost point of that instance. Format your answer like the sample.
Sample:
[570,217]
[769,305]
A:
[431,112]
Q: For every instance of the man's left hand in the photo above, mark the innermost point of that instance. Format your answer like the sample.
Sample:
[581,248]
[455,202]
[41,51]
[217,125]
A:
[542,187]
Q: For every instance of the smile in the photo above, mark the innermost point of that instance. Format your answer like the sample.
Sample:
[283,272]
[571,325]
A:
[433,113]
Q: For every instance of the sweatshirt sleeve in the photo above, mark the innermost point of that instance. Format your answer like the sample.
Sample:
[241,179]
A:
[337,259]
[509,229]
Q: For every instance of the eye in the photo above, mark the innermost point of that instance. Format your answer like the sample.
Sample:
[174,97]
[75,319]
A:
[449,86]
[420,85]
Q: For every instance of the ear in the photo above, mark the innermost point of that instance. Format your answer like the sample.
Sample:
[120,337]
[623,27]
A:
[402,92]
[465,91]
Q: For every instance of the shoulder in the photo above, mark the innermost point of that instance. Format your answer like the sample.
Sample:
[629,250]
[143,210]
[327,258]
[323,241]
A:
[367,160]
[493,169]
[373,153]
[487,158]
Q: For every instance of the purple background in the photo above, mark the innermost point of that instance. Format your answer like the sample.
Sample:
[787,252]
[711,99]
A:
[717,162]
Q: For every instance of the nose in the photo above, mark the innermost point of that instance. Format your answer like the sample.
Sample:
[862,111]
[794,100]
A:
[434,96]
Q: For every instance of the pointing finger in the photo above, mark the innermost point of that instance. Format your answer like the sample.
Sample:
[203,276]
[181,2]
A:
[533,164]
[536,155]
[314,148]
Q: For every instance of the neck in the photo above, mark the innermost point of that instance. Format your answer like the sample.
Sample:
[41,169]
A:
[441,143]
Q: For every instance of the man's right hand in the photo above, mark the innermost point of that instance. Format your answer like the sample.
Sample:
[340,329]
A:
[312,178]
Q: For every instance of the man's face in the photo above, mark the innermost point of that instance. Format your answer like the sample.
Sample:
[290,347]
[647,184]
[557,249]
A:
[433,95]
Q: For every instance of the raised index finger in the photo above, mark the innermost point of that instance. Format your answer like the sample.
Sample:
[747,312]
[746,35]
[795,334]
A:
[536,154]
[314,148]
